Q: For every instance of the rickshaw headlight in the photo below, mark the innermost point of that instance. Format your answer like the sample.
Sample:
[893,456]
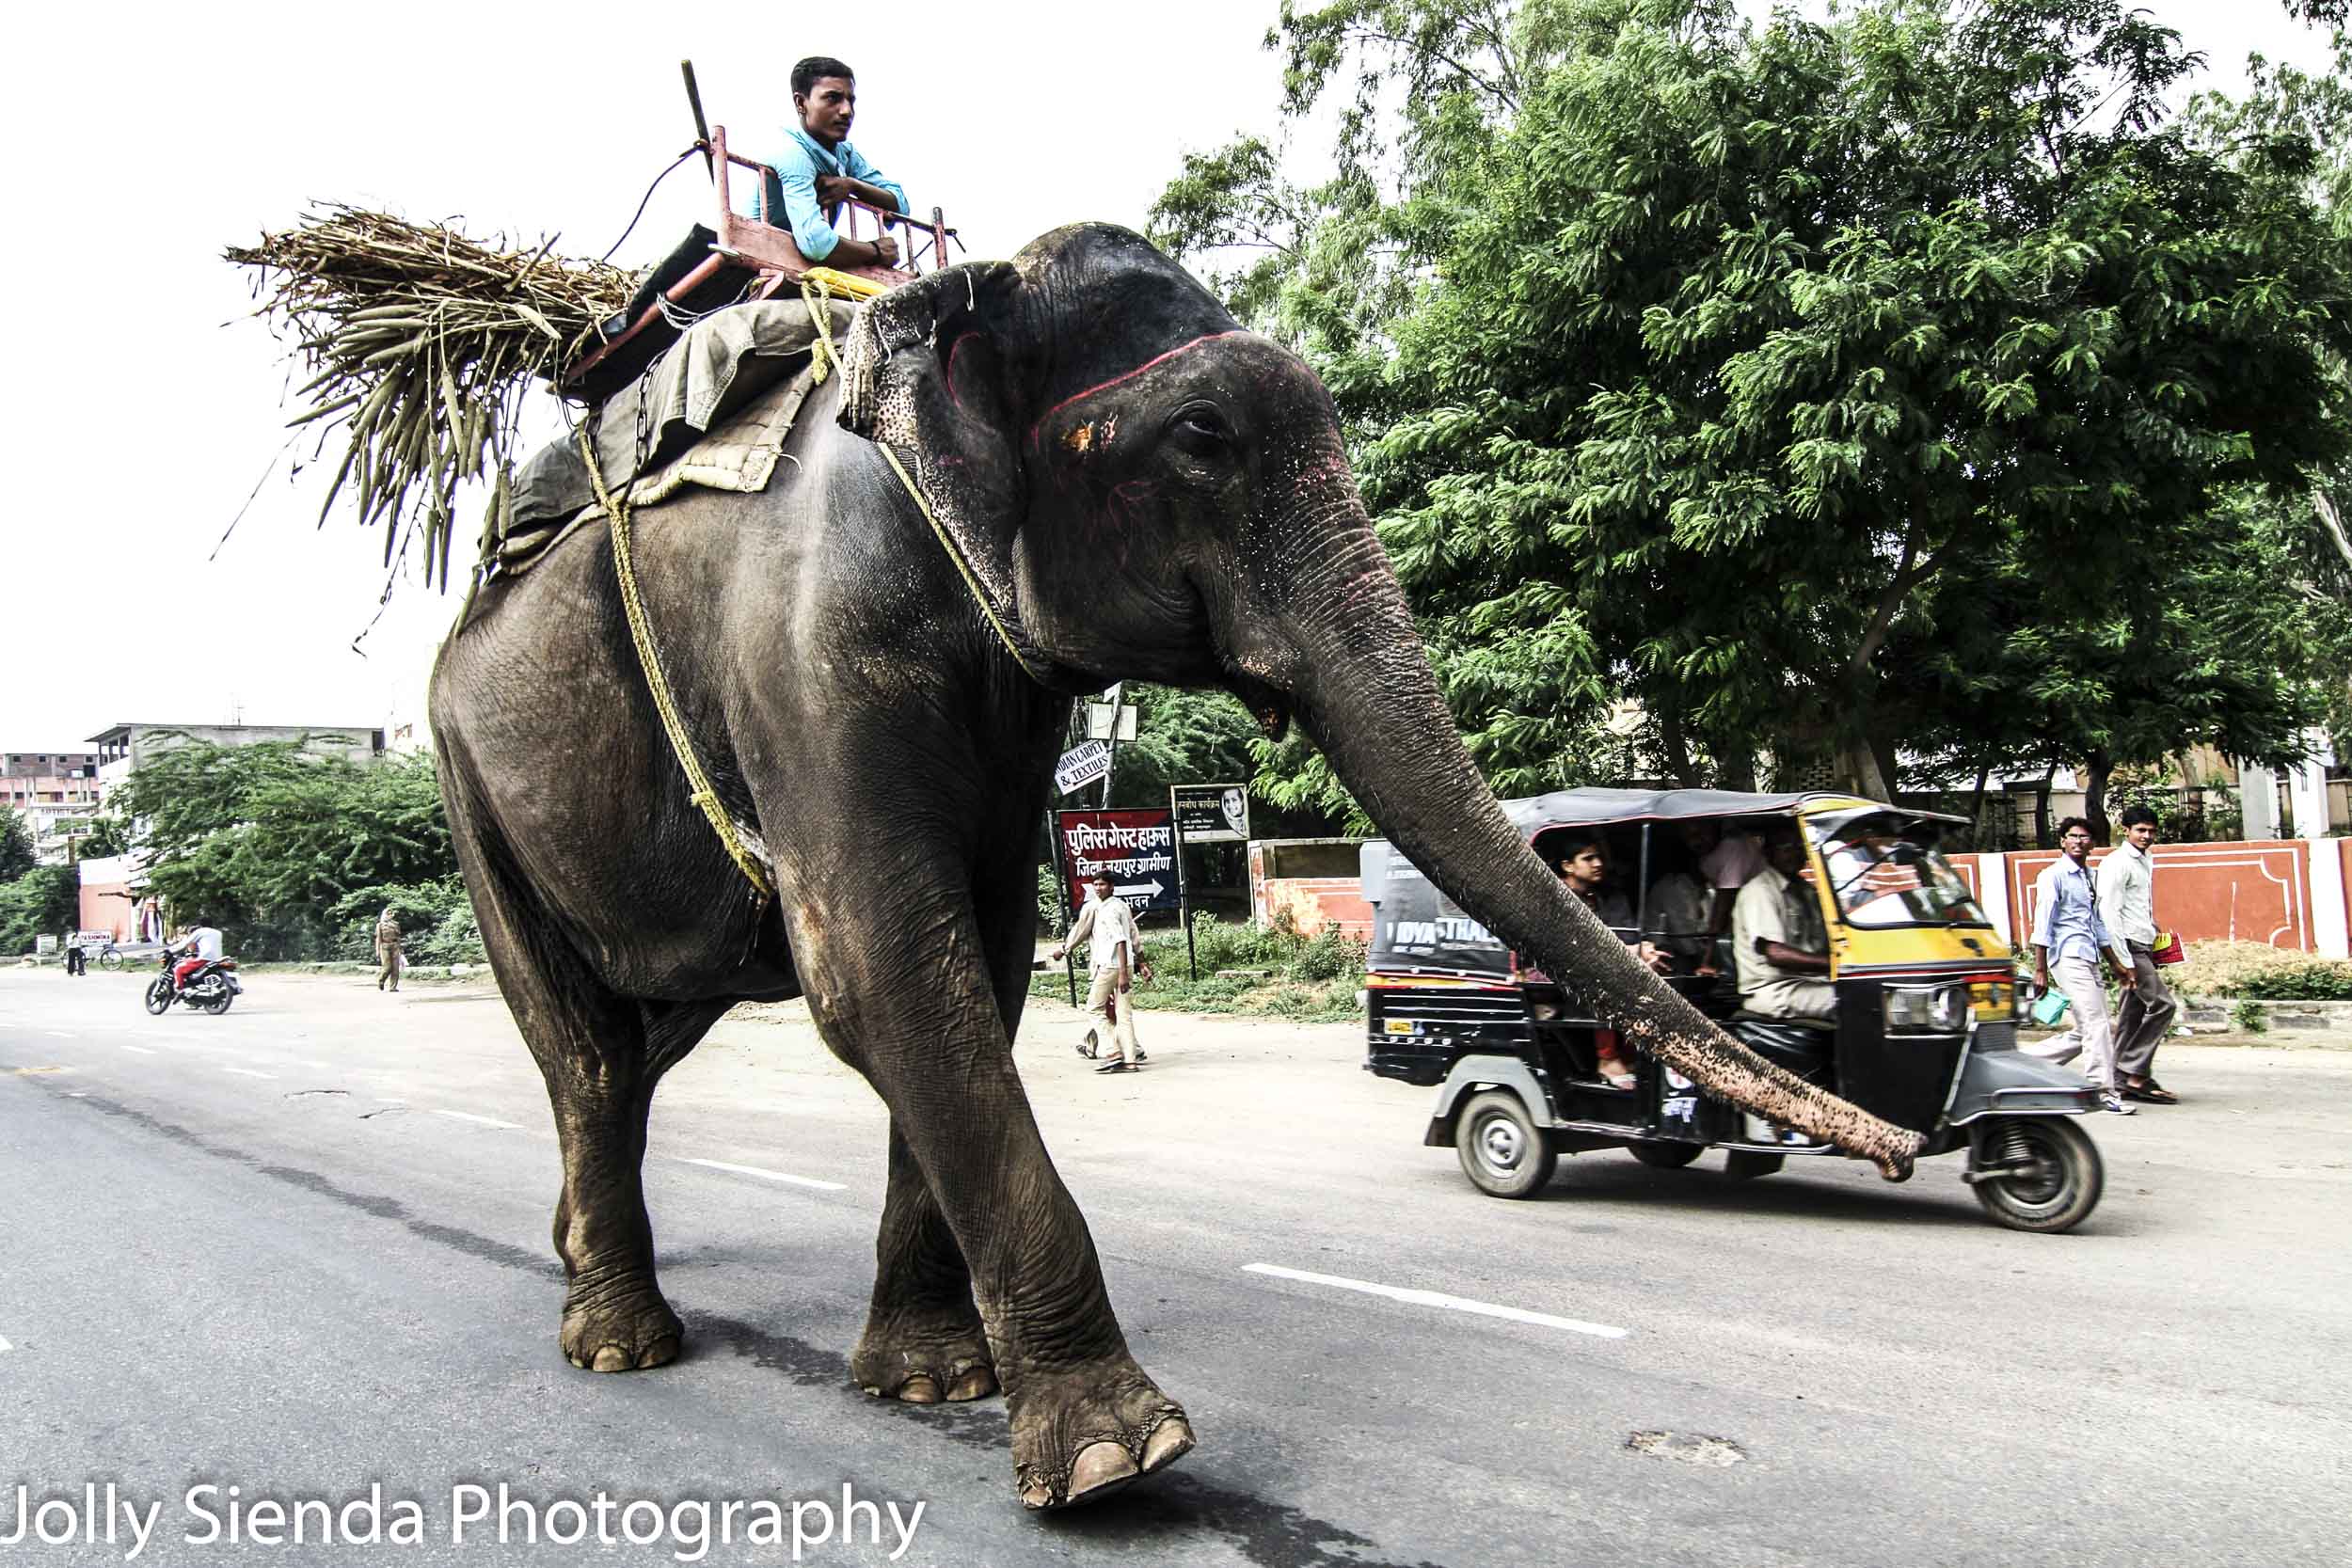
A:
[1926,1009]
[1543,1013]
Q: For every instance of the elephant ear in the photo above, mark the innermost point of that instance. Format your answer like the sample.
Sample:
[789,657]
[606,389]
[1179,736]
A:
[930,374]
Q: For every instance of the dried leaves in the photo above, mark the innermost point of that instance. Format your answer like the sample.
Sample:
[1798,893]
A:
[420,342]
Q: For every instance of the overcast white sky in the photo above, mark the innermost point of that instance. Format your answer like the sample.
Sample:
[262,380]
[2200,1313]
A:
[142,140]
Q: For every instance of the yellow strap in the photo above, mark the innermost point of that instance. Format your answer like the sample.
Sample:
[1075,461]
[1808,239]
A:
[956,556]
[817,294]
[847,283]
[642,634]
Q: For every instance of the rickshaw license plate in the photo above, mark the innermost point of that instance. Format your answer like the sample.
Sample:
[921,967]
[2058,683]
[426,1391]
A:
[1398,1025]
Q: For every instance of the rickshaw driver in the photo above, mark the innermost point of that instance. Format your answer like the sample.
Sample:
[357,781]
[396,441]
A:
[1779,939]
[819,169]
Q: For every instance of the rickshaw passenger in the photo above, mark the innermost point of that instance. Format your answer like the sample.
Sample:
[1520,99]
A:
[1778,940]
[1677,917]
[1727,863]
[1584,867]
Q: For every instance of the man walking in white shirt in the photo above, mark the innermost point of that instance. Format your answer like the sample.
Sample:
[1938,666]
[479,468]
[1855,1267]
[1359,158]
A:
[2127,881]
[2070,939]
[1118,960]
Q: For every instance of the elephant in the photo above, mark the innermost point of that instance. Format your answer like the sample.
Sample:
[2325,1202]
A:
[1104,477]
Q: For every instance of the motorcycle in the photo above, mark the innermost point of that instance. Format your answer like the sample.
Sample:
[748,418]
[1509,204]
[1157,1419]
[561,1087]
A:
[211,988]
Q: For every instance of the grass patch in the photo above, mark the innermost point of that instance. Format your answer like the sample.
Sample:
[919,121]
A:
[1245,969]
[2255,972]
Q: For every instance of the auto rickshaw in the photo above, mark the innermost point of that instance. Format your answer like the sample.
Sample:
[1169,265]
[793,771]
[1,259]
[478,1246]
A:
[1925,1033]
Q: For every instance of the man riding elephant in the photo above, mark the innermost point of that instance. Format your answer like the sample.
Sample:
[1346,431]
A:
[1047,474]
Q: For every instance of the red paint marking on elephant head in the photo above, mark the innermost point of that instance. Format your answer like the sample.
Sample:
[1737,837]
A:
[1126,376]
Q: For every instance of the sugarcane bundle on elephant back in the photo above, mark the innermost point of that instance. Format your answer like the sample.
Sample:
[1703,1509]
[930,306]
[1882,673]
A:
[420,342]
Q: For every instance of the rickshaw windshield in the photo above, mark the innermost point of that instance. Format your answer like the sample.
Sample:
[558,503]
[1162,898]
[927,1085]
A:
[1881,876]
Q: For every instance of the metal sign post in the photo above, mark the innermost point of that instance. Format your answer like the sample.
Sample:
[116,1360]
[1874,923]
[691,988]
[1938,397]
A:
[1183,900]
[1069,960]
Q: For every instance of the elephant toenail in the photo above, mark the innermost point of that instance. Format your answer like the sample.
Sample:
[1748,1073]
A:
[1100,1465]
[922,1389]
[1036,1495]
[1170,1442]
[978,1384]
[612,1358]
[660,1354]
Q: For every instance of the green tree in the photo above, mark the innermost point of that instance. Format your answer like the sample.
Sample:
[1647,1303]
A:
[264,840]
[16,845]
[2226,645]
[1180,737]
[44,900]
[1732,354]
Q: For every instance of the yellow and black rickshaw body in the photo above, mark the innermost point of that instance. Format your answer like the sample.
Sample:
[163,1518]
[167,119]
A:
[1924,1034]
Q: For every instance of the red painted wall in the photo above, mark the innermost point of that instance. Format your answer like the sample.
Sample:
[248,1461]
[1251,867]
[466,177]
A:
[2257,892]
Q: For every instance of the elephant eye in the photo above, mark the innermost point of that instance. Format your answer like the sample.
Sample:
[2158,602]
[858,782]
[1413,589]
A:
[1199,430]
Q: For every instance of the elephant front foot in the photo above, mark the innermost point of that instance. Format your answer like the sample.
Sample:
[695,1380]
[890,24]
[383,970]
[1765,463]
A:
[923,1358]
[1078,1436]
[619,1327]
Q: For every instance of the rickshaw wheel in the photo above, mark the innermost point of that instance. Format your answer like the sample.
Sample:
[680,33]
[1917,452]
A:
[1666,1156]
[2062,1185]
[1503,1152]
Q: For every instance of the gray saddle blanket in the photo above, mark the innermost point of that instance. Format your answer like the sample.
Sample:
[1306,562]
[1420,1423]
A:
[714,411]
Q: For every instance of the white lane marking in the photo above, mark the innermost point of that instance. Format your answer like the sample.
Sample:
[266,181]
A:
[380,1100]
[1438,1298]
[768,1175]
[315,1066]
[5,1347]
[61,1035]
[486,1121]
[139,1049]
[247,1073]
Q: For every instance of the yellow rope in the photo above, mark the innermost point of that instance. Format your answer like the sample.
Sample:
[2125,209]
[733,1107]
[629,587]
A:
[817,294]
[642,634]
[817,289]
[956,556]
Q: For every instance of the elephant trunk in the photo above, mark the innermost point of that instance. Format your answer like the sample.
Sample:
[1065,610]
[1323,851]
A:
[1363,689]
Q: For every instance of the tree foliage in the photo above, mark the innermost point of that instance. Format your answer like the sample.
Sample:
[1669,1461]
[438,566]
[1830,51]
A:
[264,841]
[41,899]
[16,845]
[1822,386]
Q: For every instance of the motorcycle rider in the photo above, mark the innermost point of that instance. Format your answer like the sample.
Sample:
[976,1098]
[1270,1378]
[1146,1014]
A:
[202,943]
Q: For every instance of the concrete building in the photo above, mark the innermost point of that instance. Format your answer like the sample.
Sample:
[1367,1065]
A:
[124,747]
[50,789]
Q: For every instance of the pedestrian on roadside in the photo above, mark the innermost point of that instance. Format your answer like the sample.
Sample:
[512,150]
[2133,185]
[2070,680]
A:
[1116,963]
[76,962]
[2127,888]
[388,949]
[2070,940]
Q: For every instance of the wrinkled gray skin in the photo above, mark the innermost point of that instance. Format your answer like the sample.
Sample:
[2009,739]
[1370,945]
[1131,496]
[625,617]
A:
[1140,491]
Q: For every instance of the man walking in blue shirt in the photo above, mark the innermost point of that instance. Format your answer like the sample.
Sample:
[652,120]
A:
[2070,940]
[821,170]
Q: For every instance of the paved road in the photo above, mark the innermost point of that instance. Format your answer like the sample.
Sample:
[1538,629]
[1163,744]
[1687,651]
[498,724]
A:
[303,1250]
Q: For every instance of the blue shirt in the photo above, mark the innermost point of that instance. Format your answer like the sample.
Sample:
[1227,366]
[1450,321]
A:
[798,165]
[2066,914]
